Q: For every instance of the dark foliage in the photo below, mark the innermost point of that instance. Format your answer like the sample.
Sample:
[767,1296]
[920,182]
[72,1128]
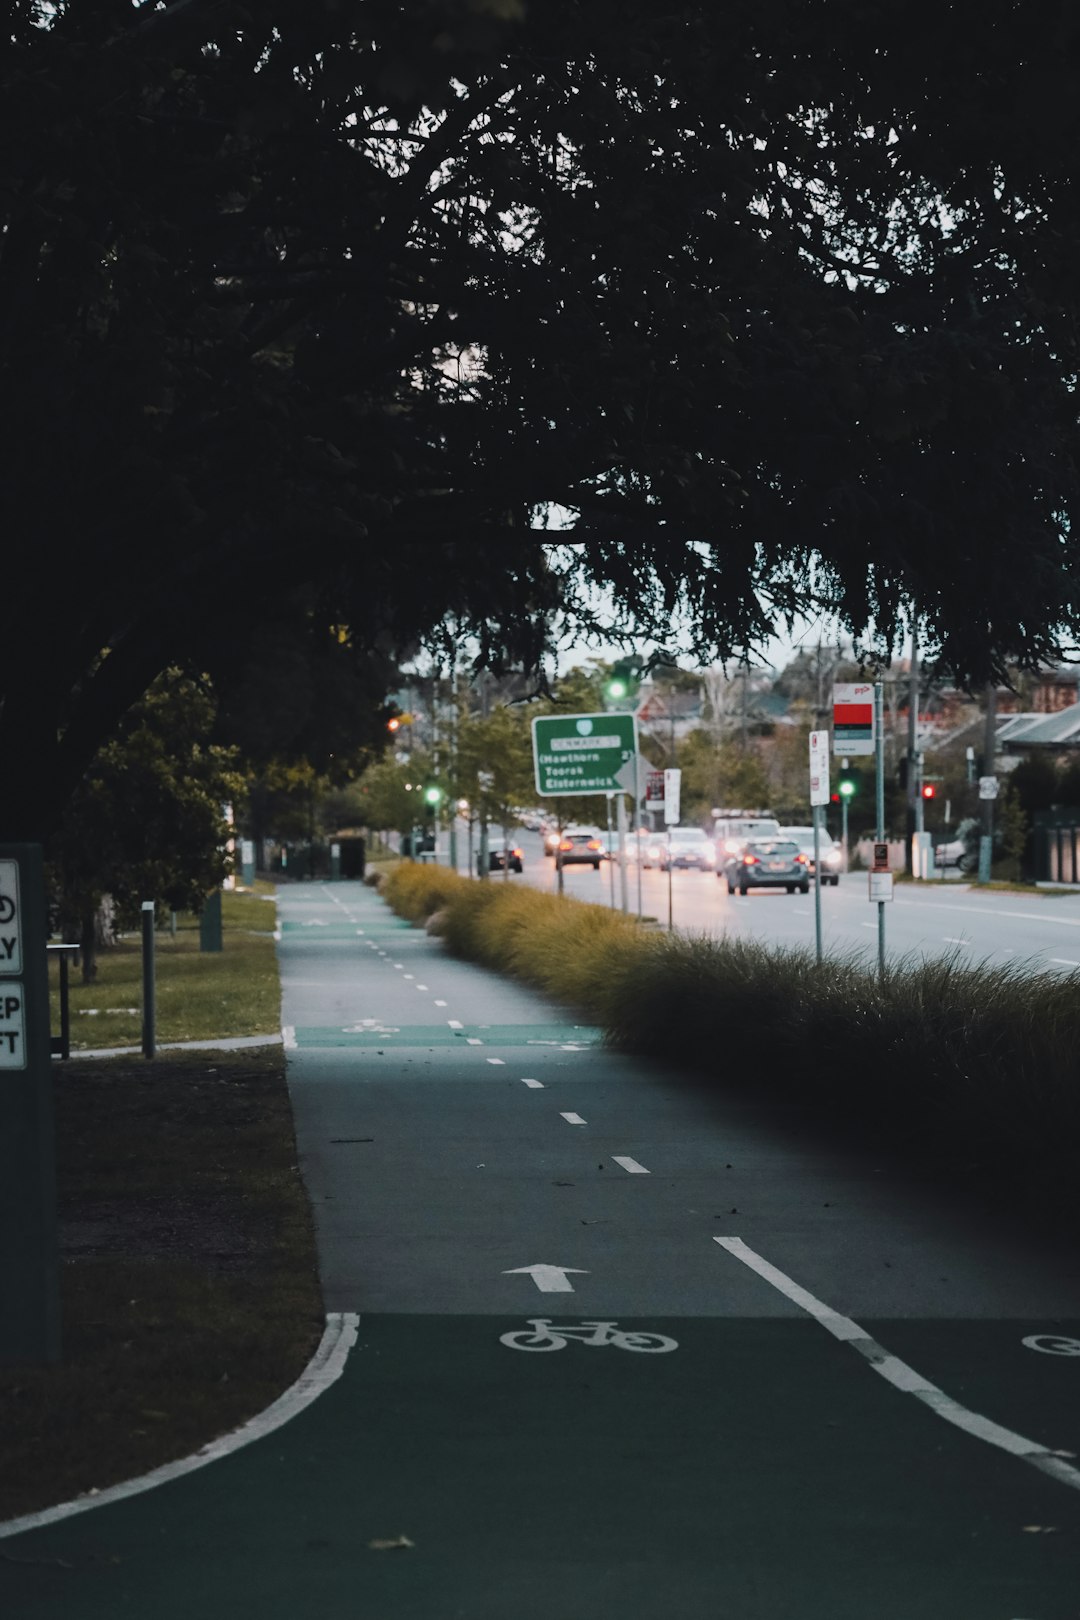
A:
[777,299]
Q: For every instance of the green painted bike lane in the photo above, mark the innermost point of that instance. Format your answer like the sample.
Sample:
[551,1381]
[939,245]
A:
[757,1469]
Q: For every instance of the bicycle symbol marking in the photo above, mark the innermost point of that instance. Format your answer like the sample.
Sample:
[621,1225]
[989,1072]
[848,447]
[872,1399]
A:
[544,1334]
[1052,1344]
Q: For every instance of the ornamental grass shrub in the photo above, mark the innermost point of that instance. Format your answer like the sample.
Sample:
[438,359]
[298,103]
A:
[414,889]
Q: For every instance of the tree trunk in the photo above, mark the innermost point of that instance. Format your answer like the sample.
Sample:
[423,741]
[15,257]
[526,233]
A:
[88,945]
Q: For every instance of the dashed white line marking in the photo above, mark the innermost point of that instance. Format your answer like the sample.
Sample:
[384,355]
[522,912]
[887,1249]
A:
[473,1040]
[399,964]
[408,975]
[631,1165]
[360,933]
[440,1003]
[535,1085]
[572,1119]
[903,1377]
[954,939]
[868,925]
[454,1023]
[421,987]
[499,1062]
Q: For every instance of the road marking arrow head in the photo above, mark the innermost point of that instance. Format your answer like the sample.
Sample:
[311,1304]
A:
[549,1279]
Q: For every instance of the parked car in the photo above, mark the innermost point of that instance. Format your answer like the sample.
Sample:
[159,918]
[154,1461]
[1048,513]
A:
[950,853]
[832,856]
[502,856]
[685,847]
[768,863]
[732,833]
[581,846]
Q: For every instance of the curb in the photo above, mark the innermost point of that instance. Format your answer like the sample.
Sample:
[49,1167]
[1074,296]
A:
[227,1043]
[325,1368]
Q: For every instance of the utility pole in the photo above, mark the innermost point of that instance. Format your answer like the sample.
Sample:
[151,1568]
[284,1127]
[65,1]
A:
[913,800]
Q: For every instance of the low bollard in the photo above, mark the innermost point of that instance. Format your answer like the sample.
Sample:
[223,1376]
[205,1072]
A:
[149,1007]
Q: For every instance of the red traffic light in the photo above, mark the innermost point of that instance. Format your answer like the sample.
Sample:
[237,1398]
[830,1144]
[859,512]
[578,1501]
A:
[929,790]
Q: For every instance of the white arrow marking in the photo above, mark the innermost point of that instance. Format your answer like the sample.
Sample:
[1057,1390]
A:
[549,1279]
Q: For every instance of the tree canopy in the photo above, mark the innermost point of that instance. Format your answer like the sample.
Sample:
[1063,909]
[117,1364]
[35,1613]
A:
[776,299]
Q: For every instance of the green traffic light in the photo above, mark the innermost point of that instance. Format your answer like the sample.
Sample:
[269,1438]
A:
[847,789]
[432,794]
[617,689]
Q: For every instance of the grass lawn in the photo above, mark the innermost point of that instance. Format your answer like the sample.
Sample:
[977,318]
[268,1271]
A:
[200,995]
[189,1285]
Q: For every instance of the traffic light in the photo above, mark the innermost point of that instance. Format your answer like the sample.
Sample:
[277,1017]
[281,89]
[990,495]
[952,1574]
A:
[433,794]
[623,680]
[929,790]
[847,787]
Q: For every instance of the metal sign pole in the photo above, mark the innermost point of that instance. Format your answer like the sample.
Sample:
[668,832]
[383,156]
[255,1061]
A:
[879,762]
[29,1260]
[621,813]
[610,858]
[817,878]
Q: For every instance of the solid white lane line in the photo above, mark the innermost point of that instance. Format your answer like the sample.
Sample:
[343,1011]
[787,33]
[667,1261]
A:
[535,1085]
[499,1062]
[903,1377]
[573,1119]
[325,1368]
[454,1023]
[440,1003]
[631,1166]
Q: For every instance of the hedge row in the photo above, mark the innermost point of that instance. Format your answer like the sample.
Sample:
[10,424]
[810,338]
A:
[983,1060]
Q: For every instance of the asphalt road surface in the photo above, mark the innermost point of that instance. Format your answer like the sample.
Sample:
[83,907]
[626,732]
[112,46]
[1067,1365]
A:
[1022,930]
[627,1348]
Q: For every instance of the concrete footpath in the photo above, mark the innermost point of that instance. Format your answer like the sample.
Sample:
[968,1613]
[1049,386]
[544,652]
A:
[827,1391]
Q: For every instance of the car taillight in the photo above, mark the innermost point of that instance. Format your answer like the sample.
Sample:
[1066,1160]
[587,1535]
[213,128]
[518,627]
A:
[802,860]
[751,860]
[516,853]
[565,843]
[594,843]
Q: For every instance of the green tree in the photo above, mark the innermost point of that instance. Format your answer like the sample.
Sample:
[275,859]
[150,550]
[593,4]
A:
[147,821]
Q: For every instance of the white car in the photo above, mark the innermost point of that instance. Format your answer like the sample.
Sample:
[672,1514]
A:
[832,856]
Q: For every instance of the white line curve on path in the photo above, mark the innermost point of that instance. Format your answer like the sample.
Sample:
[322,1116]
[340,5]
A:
[325,1368]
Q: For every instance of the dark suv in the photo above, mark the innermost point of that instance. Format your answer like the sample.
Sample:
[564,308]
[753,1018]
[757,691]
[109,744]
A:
[771,863]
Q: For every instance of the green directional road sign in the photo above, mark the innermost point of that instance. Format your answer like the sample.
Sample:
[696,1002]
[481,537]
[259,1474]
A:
[582,753]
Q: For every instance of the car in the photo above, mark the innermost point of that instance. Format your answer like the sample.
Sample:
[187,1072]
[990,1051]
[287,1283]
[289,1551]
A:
[832,856]
[581,846]
[685,847]
[502,856]
[732,830]
[768,863]
[551,835]
[950,853]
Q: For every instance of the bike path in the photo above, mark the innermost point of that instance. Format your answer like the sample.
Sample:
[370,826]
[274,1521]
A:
[759,1469]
